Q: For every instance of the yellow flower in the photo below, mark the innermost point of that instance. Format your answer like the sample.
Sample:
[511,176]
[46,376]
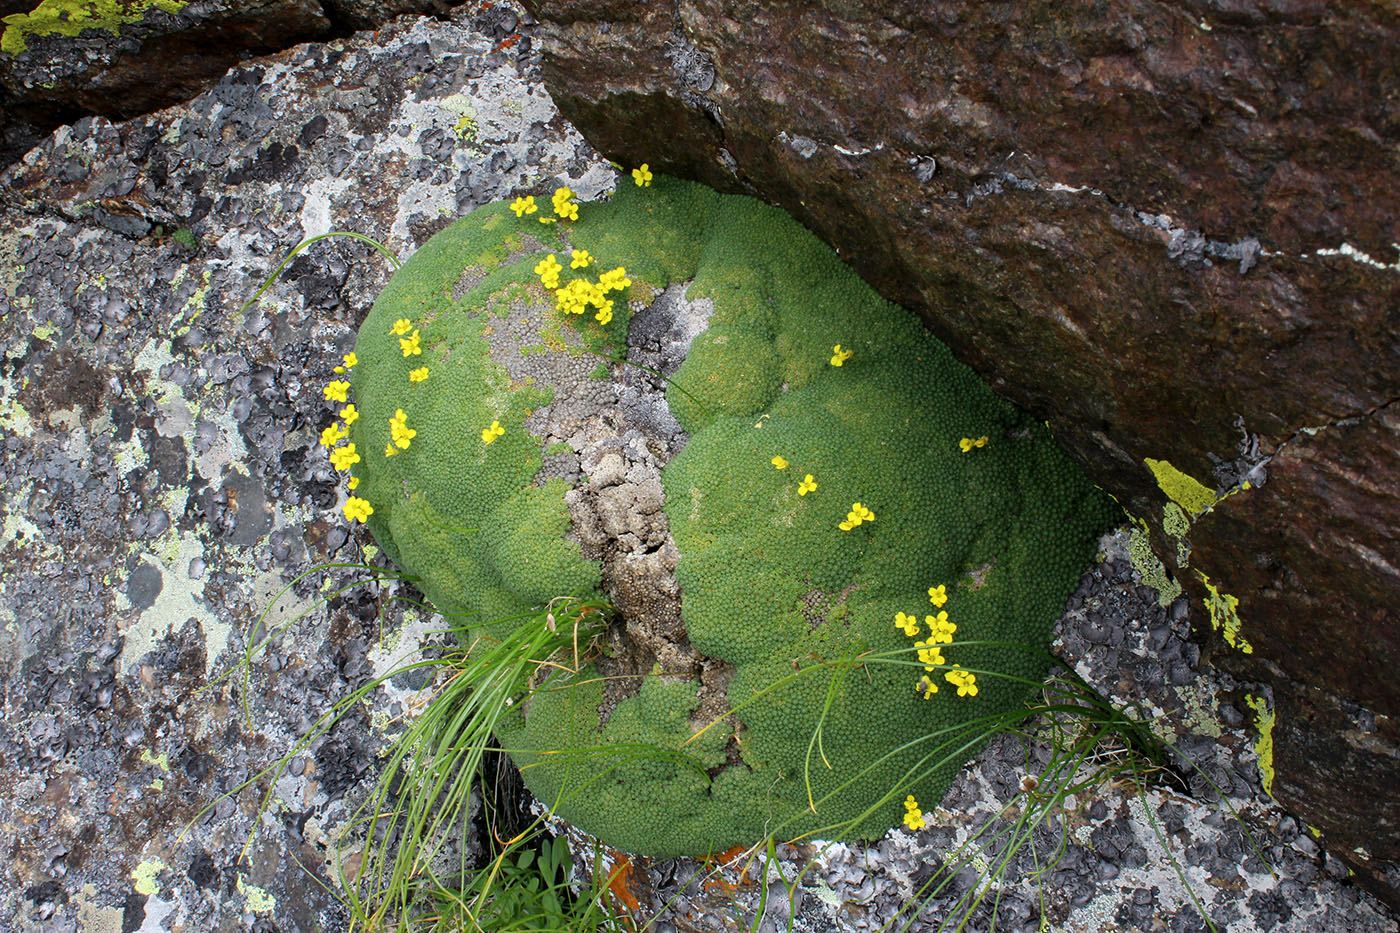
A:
[579,259]
[489,435]
[927,687]
[964,681]
[400,431]
[350,360]
[332,434]
[839,356]
[563,206]
[409,344]
[930,655]
[418,375]
[938,595]
[940,629]
[642,176]
[779,462]
[856,516]
[389,450]
[614,280]
[967,443]
[523,206]
[353,484]
[548,220]
[548,267]
[913,815]
[604,314]
[910,624]
[350,413]
[357,509]
[806,486]
[402,326]
[337,391]
[343,458]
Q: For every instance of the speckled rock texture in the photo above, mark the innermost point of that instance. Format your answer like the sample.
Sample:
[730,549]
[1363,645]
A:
[1170,229]
[158,53]
[163,483]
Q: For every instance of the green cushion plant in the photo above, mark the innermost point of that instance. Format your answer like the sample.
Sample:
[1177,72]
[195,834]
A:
[873,546]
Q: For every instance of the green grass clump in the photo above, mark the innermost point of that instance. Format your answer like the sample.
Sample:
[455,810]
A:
[825,715]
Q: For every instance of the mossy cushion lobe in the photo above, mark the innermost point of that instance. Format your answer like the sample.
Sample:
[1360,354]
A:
[802,610]
[461,515]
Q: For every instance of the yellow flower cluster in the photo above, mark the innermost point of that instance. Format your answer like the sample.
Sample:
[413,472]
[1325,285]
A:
[402,326]
[964,681]
[839,356]
[418,375]
[524,205]
[857,516]
[401,433]
[580,294]
[357,509]
[410,344]
[489,435]
[343,458]
[967,443]
[564,205]
[333,434]
[913,814]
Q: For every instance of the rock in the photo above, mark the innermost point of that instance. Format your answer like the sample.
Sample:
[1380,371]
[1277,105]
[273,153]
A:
[1127,226]
[58,66]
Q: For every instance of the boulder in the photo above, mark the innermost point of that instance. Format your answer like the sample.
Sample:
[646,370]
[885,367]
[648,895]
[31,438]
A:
[62,59]
[1169,230]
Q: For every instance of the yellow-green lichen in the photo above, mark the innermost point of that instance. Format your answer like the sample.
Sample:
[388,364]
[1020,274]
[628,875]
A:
[1175,524]
[259,901]
[71,17]
[1184,490]
[1224,615]
[1152,571]
[1264,721]
[143,877]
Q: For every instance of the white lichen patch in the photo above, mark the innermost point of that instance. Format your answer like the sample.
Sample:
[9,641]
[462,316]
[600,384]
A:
[180,599]
[1347,251]
[94,917]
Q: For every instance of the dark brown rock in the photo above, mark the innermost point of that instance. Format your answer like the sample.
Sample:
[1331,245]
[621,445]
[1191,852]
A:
[1167,227]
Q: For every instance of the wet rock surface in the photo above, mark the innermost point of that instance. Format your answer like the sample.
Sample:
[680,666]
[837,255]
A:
[164,487]
[1129,226]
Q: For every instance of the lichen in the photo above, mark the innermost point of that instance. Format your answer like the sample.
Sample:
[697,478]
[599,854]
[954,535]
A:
[259,901]
[1184,490]
[1150,569]
[1224,615]
[1264,721]
[71,17]
[143,876]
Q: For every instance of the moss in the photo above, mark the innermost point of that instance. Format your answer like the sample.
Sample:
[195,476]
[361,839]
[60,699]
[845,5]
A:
[71,17]
[1184,490]
[1264,720]
[771,586]
[1224,615]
